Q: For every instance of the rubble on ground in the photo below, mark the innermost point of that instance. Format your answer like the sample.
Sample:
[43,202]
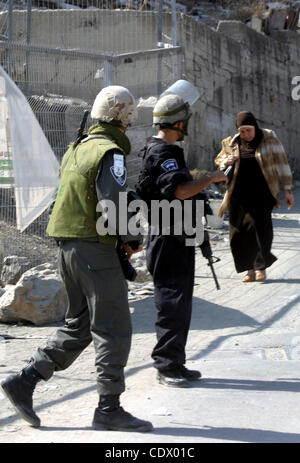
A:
[39,297]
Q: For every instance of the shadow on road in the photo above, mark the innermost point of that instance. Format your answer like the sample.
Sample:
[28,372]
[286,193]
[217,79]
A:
[206,432]
[230,434]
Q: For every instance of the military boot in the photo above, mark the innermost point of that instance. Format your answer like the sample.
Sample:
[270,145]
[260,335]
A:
[19,388]
[110,416]
[190,375]
[172,378]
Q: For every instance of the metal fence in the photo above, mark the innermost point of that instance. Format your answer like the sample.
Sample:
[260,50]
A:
[61,58]
[80,75]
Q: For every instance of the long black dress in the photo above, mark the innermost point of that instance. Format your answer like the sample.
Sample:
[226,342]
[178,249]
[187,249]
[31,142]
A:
[250,208]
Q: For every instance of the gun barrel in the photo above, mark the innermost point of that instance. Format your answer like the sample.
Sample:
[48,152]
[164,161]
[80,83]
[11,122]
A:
[214,273]
[81,128]
[207,253]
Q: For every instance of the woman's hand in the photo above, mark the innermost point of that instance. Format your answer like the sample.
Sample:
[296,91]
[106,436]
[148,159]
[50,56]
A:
[231,159]
[289,199]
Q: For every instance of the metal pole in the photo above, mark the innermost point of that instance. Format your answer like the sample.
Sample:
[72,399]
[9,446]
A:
[9,35]
[175,57]
[28,40]
[160,22]
[107,73]
[159,44]
[174,23]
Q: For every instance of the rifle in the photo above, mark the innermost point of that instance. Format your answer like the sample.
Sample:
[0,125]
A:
[80,135]
[77,141]
[205,246]
[207,253]
[129,271]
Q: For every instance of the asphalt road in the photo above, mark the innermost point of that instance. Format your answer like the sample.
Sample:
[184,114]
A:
[245,339]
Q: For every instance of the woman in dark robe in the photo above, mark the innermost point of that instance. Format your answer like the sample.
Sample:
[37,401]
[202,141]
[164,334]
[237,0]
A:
[260,167]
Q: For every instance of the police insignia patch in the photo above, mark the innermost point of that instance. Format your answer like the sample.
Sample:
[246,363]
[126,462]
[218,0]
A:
[121,180]
[169,165]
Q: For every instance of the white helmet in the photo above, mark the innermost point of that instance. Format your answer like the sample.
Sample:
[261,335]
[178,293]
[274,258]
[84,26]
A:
[114,103]
[170,109]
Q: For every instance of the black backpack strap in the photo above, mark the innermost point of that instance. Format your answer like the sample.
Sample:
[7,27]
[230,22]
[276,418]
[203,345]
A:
[146,149]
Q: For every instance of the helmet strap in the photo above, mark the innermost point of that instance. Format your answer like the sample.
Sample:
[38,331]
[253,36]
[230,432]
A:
[178,130]
[184,131]
[165,126]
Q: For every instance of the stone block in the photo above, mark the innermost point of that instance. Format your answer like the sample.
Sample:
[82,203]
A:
[39,297]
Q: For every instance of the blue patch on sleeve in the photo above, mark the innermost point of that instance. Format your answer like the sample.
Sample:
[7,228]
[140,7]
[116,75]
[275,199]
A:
[120,180]
[169,165]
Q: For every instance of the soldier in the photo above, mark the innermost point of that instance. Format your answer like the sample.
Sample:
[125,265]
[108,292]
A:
[165,176]
[92,170]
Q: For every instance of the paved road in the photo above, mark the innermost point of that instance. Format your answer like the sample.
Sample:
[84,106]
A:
[245,339]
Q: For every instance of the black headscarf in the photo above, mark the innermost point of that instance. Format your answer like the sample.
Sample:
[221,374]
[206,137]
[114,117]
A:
[247,118]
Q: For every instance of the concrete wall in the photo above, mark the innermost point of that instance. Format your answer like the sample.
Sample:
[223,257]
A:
[92,31]
[110,31]
[235,69]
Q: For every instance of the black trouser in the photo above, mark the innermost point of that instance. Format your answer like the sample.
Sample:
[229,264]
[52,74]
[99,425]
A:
[97,311]
[251,236]
[171,263]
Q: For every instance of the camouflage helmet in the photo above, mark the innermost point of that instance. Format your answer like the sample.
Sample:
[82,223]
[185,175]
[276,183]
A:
[170,109]
[114,103]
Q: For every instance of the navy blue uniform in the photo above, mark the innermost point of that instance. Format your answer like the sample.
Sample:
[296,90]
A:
[169,260]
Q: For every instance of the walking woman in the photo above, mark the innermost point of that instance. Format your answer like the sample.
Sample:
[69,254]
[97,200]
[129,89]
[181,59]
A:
[260,169]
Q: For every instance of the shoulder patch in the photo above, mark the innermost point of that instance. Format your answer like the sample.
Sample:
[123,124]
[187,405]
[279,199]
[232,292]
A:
[169,165]
[121,180]
[118,165]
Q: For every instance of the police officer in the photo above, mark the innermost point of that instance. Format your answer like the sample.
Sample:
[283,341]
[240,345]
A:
[169,260]
[92,171]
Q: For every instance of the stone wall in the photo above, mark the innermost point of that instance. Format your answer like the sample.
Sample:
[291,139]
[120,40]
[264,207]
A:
[237,68]
[103,31]
[234,67]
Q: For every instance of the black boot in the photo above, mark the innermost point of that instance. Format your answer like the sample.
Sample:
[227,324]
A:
[190,375]
[19,388]
[172,378]
[110,416]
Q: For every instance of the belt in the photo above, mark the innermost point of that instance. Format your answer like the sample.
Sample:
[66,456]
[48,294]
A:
[60,241]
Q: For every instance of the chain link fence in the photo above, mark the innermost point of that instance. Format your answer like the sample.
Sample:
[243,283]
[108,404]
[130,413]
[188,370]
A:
[61,58]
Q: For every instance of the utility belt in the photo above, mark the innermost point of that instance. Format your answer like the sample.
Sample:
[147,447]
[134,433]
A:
[61,241]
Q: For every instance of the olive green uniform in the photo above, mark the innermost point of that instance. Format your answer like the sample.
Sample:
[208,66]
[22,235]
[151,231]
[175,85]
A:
[97,291]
